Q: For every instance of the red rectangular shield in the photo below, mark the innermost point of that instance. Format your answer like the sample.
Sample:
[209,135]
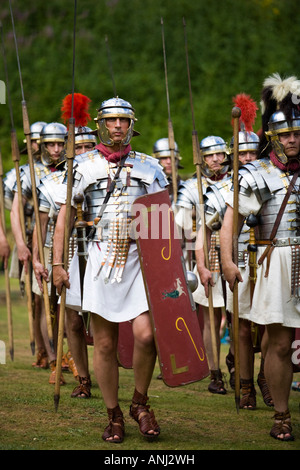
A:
[173,314]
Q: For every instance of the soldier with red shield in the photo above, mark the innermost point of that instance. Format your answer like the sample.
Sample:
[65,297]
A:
[113,287]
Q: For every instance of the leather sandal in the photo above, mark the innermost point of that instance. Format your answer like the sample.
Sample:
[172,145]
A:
[52,378]
[282,426]
[145,418]
[72,365]
[41,360]
[115,426]
[216,383]
[248,399]
[83,390]
[262,383]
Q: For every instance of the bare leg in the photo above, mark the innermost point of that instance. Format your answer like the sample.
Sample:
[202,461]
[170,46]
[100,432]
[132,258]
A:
[207,335]
[106,367]
[76,341]
[278,366]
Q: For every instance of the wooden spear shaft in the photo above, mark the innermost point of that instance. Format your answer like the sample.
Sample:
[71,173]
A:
[16,159]
[236,113]
[198,163]
[26,127]
[70,157]
[170,124]
[7,280]
[61,325]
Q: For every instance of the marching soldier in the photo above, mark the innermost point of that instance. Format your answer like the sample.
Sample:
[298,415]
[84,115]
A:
[215,168]
[113,292]
[85,140]
[9,184]
[215,207]
[52,138]
[269,187]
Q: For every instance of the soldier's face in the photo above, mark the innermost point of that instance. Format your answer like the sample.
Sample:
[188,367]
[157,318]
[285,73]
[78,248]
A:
[291,143]
[54,149]
[117,128]
[166,163]
[214,161]
[246,157]
[34,146]
[83,147]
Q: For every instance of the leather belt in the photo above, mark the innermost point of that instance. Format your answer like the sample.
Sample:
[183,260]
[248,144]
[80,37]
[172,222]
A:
[288,241]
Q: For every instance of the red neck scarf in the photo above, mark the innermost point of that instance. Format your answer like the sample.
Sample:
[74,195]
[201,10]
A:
[114,157]
[291,165]
[218,177]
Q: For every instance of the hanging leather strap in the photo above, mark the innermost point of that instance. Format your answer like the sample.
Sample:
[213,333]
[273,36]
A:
[107,196]
[270,247]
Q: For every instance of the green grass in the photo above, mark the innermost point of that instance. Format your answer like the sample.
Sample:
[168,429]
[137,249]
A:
[190,417]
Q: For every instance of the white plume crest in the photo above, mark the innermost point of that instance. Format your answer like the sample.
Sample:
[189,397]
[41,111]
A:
[281,87]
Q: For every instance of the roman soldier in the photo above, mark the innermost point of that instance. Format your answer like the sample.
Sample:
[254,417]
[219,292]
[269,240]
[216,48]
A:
[268,188]
[215,166]
[113,289]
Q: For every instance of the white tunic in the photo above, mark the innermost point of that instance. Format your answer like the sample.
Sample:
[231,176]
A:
[272,301]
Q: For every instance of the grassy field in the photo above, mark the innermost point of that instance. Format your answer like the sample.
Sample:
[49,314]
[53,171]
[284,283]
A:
[190,417]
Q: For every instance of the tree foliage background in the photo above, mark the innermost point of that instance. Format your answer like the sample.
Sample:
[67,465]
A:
[233,45]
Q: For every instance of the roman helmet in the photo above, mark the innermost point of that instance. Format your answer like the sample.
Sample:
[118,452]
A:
[84,134]
[115,107]
[35,132]
[210,145]
[280,111]
[52,132]
[161,149]
[248,140]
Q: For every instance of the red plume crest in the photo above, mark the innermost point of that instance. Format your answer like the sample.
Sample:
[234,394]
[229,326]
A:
[248,109]
[80,109]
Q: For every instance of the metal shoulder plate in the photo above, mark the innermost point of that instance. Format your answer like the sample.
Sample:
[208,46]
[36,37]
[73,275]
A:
[215,197]
[91,166]
[40,170]
[48,189]
[146,169]
[260,177]
[8,187]
[188,195]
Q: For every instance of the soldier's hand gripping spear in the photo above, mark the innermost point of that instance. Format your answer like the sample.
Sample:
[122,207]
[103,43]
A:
[70,156]
[170,124]
[198,162]
[26,127]
[236,113]
[7,281]
[16,160]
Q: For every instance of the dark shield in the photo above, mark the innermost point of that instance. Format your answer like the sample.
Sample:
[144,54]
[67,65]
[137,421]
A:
[174,319]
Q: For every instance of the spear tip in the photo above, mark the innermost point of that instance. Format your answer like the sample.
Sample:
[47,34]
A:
[32,346]
[56,401]
[51,344]
[11,352]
